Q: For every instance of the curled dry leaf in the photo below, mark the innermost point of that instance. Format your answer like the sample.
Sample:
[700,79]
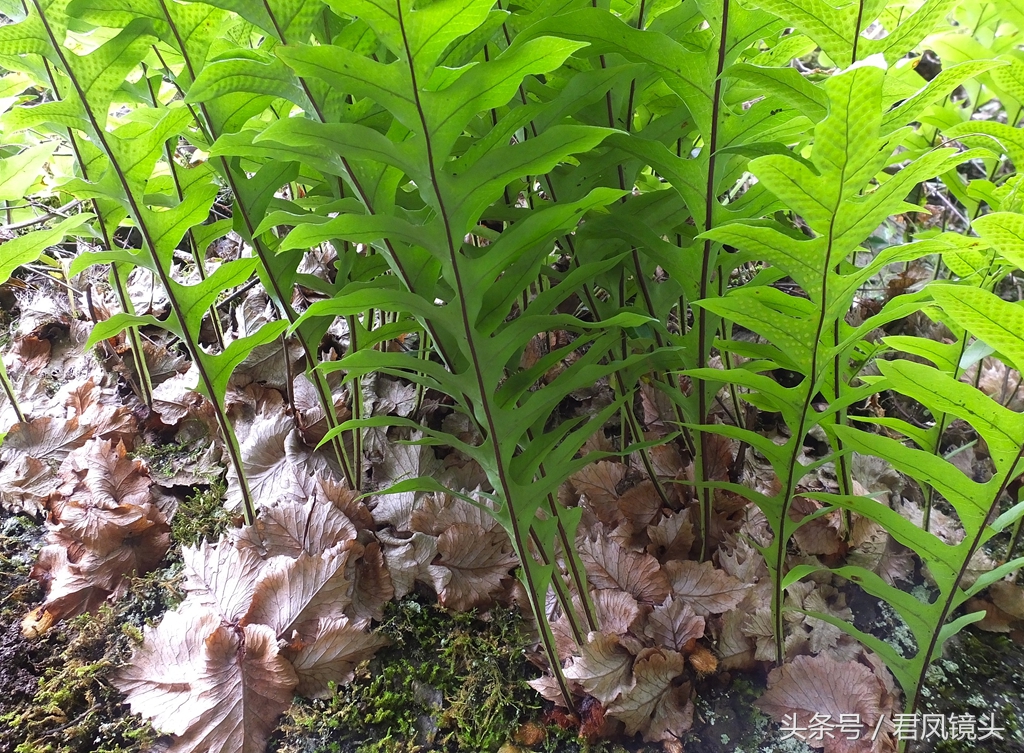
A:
[471,566]
[278,464]
[654,705]
[597,483]
[604,668]
[706,589]
[291,592]
[103,526]
[609,565]
[290,529]
[212,673]
[221,577]
[45,440]
[821,685]
[674,625]
[218,687]
[330,654]
[672,537]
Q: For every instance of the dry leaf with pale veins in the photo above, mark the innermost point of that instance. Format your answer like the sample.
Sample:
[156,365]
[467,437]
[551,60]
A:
[26,484]
[408,559]
[650,705]
[69,591]
[438,512]
[471,566]
[603,670]
[822,535]
[291,592]
[617,611]
[330,490]
[609,565]
[221,577]
[705,589]
[372,587]
[674,625]
[672,537]
[640,506]
[290,528]
[734,648]
[278,464]
[45,440]
[330,654]
[821,685]
[597,483]
[218,687]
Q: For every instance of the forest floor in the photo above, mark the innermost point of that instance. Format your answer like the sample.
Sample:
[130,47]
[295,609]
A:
[448,681]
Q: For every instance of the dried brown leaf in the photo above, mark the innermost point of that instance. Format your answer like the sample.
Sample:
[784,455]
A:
[603,670]
[221,577]
[653,673]
[675,626]
[292,527]
[408,559]
[706,589]
[672,537]
[330,654]
[609,565]
[821,685]
[217,687]
[597,483]
[471,566]
[372,587]
[291,592]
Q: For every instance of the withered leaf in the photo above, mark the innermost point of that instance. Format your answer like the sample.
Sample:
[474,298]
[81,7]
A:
[617,611]
[26,484]
[474,566]
[597,483]
[603,669]
[734,648]
[278,464]
[672,537]
[821,685]
[674,625]
[408,559]
[219,688]
[292,527]
[438,512]
[609,565]
[372,587]
[640,506]
[47,438]
[706,589]
[291,592]
[221,577]
[653,673]
[330,654]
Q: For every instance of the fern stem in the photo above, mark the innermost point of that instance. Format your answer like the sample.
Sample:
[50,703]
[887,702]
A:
[8,387]
[145,385]
[195,352]
[281,297]
[1011,473]
[535,593]
[197,253]
[701,465]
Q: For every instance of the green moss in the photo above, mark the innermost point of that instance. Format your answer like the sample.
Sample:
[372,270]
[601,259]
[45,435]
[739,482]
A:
[162,458]
[200,516]
[983,674]
[447,682]
[63,700]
